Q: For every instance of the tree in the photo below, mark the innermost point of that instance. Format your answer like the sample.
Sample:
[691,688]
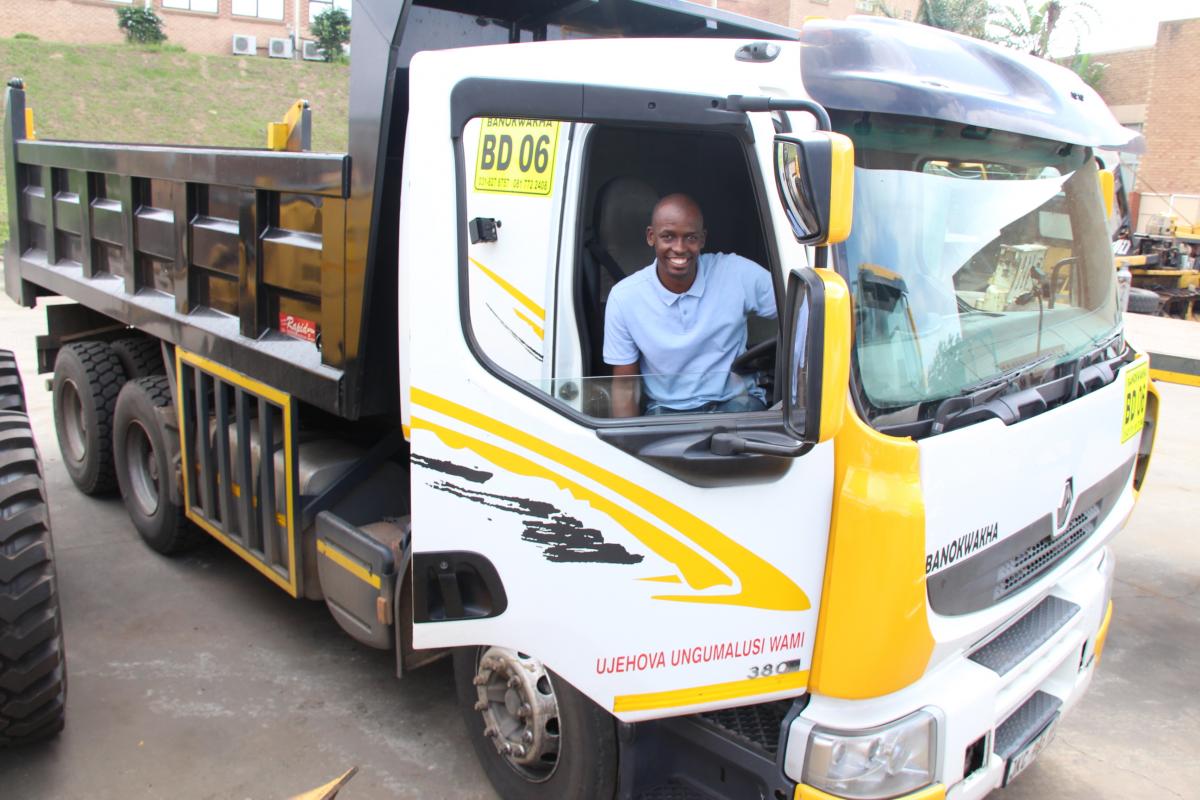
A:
[1031,28]
[331,29]
[140,25]
[1092,72]
[968,17]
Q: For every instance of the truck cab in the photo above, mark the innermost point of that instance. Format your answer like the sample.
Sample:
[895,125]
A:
[386,387]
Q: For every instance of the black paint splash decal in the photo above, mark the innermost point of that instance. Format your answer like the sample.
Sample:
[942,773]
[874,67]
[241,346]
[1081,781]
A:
[514,334]
[450,468]
[563,537]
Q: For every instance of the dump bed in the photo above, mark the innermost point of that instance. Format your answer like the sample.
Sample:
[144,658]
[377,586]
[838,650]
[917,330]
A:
[238,255]
[280,265]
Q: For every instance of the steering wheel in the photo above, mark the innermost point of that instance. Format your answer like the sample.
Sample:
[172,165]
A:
[754,353]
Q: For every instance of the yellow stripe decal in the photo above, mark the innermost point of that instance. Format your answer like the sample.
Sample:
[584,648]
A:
[1167,376]
[347,563]
[537,329]
[714,693]
[700,573]
[759,583]
[517,294]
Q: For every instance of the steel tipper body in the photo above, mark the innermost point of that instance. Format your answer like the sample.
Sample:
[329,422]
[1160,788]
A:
[891,582]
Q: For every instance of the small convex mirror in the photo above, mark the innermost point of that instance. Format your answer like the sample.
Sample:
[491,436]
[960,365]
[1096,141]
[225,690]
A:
[814,173]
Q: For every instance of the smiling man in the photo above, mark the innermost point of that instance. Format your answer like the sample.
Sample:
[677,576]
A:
[680,322]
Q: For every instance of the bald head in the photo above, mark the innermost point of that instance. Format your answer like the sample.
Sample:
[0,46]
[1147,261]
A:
[677,203]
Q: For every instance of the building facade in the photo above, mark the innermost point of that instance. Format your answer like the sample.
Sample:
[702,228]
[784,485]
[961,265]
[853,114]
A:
[1157,90]
[201,26]
[211,26]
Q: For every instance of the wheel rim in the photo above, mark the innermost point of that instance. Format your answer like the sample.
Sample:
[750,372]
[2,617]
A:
[141,469]
[73,427]
[520,712]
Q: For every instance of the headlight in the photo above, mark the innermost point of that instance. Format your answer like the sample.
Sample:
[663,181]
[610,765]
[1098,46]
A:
[882,762]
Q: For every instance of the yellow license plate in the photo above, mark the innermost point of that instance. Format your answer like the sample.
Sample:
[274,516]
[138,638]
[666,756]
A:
[1137,383]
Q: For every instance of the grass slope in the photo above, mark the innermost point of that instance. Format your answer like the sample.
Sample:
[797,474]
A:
[120,93]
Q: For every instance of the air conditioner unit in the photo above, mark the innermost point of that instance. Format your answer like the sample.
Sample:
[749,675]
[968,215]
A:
[279,48]
[244,45]
[311,51]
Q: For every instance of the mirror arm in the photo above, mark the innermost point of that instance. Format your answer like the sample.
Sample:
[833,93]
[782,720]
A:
[730,444]
[744,103]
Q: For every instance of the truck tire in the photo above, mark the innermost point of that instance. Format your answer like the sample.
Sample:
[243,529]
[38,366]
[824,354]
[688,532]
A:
[12,392]
[87,378]
[1143,301]
[146,455]
[536,736]
[33,675]
[139,356]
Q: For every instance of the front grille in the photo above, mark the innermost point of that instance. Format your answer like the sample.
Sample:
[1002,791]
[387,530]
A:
[759,724]
[1027,565]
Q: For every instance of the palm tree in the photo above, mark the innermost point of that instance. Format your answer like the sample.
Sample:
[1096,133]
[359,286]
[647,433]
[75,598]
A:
[1025,26]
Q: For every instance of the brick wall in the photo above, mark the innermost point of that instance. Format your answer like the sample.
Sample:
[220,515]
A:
[1127,79]
[95,22]
[1171,163]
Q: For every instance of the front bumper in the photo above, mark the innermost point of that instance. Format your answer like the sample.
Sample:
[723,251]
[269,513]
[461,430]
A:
[1048,652]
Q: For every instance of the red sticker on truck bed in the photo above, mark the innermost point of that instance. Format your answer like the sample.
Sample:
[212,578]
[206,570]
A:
[298,327]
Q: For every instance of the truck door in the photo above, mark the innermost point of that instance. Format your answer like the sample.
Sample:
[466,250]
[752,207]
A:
[653,574]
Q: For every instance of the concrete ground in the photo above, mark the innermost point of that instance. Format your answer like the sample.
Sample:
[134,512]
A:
[193,677]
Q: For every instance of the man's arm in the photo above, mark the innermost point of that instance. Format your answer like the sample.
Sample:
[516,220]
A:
[626,390]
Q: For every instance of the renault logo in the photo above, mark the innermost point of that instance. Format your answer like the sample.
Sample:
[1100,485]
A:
[1063,515]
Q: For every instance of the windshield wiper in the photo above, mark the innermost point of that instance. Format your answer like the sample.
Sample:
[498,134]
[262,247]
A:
[978,397]
[1078,365]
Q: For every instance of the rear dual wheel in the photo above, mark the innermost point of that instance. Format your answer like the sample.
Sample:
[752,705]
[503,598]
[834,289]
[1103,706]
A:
[536,736]
[147,457]
[87,378]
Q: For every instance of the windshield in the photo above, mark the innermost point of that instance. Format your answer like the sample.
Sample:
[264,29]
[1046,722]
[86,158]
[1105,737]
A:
[973,254]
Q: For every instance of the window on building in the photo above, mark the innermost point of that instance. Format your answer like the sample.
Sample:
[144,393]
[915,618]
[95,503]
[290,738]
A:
[318,7]
[865,6]
[263,9]
[192,5]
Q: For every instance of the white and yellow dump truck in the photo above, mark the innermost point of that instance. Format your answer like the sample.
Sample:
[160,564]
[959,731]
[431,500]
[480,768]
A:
[378,378]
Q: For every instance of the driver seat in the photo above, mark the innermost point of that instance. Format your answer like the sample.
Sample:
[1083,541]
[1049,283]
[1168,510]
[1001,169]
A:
[616,249]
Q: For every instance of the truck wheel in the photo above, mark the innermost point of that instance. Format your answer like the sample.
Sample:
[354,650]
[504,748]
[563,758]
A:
[536,736]
[146,458]
[33,675]
[87,377]
[12,393]
[139,356]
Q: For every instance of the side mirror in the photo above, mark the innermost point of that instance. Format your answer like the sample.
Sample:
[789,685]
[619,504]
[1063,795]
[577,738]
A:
[814,173]
[1107,190]
[817,366]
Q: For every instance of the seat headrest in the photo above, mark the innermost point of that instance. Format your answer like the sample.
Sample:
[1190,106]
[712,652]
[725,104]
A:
[622,213]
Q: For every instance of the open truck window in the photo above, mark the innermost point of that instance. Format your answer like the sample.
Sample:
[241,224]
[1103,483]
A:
[556,214]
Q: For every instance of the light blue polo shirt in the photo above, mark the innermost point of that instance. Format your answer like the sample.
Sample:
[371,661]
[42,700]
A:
[686,343]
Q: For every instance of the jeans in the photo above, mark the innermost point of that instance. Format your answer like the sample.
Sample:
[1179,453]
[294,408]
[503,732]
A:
[734,405]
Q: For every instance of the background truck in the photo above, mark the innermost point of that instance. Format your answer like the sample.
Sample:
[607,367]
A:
[378,378]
